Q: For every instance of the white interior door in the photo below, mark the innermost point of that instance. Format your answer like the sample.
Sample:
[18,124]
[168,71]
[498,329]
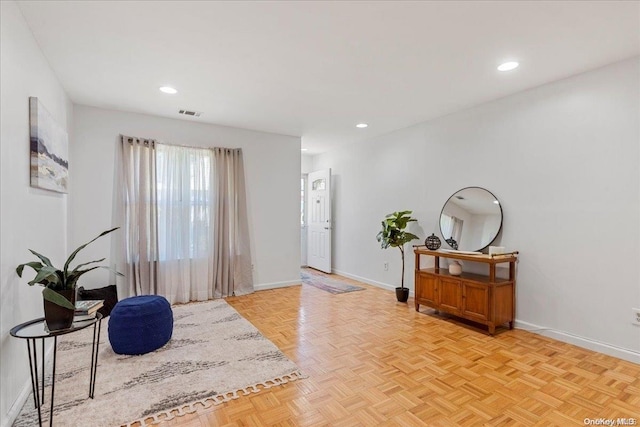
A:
[319,224]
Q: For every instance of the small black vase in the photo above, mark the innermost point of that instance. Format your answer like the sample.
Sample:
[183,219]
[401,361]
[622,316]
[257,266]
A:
[451,241]
[402,294]
[432,242]
[56,316]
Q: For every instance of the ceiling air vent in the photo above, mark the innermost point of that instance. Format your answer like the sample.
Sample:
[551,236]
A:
[190,113]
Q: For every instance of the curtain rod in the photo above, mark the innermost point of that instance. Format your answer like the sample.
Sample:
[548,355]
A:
[147,141]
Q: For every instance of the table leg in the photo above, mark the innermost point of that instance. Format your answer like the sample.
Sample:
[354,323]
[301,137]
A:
[53,378]
[33,368]
[43,359]
[94,358]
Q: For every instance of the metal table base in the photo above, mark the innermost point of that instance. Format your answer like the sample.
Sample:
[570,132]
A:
[35,330]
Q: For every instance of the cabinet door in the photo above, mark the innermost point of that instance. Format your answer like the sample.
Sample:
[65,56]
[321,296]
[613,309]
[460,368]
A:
[475,300]
[427,289]
[450,295]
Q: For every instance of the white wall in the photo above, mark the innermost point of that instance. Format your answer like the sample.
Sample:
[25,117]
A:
[306,163]
[272,172]
[564,161]
[29,217]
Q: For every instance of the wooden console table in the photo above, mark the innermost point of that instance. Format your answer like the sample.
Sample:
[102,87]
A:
[488,300]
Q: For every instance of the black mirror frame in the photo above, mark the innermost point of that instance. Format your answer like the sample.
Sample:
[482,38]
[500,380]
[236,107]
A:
[501,217]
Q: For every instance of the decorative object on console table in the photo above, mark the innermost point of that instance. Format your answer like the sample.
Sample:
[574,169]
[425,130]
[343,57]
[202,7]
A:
[489,300]
[432,242]
[393,234]
[496,250]
[451,242]
[59,291]
[455,269]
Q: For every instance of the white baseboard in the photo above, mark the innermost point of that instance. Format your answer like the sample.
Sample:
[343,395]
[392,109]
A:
[15,409]
[275,285]
[588,343]
[369,281]
[600,347]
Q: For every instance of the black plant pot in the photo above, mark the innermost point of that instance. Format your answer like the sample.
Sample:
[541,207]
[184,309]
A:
[56,316]
[402,294]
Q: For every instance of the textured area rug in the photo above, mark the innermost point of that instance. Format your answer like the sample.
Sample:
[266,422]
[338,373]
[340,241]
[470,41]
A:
[215,355]
[321,281]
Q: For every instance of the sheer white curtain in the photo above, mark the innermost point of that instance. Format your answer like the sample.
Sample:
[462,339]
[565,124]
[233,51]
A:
[200,228]
[185,212]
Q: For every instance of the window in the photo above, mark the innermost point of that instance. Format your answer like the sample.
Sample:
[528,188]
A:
[185,218]
[318,184]
[183,182]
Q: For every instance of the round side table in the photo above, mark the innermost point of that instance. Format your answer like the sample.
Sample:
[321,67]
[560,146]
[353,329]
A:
[37,329]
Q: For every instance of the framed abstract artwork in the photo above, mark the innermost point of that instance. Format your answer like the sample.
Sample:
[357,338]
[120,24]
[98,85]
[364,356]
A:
[49,149]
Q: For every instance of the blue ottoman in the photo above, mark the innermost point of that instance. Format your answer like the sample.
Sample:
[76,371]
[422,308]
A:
[141,324]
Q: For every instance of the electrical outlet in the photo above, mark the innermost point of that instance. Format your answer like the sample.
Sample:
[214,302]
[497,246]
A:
[386,266]
[636,316]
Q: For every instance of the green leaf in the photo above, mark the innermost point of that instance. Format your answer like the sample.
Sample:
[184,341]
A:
[74,253]
[410,236]
[35,265]
[46,276]
[87,263]
[392,233]
[74,275]
[56,298]
[113,270]
[43,258]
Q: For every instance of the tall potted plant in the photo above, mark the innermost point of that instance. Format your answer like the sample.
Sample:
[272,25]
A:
[59,293]
[393,234]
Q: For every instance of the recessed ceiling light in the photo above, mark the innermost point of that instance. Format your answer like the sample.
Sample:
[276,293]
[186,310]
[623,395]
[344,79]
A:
[508,66]
[303,149]
[168,89]
[362,125]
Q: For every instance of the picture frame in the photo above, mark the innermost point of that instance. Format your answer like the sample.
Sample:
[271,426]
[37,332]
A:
[49,147]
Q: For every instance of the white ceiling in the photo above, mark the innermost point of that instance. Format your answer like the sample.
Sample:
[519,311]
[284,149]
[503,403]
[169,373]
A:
[316,69]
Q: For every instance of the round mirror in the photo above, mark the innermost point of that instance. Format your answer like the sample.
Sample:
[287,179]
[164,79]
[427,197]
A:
[471,219]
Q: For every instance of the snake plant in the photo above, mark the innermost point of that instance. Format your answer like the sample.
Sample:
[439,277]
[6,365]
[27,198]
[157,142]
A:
[54,279]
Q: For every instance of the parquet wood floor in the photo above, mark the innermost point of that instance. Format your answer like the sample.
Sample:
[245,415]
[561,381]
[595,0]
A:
[374,362]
